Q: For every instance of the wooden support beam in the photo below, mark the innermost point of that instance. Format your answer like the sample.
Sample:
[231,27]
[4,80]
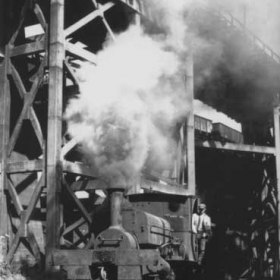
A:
[89,185]
[85,20]
[162,188]
[36,126]
[80,53]
[78,203]
[68,147]
[40,16]
[75,225]
[34,247]
[277,161]
[154,176]
[25,215]
[28,100]
[54,140]
[25,166]
[190,137]
[29,48]
[5,101]
[18,81]
[78,168]
[72,77]
[15,198]
[35,197]
[22,18]
[236,147]
[132,8]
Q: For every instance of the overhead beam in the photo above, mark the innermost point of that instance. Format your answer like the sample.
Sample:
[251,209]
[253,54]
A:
[25,166]
[78,168]
[163,188]
[80,53]
[37,46]
[85,20]
[236,147]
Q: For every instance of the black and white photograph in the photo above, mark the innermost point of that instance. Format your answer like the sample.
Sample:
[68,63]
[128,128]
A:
[139,139]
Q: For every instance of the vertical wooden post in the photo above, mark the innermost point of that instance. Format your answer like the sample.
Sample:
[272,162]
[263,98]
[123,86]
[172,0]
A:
[4,138]
[54,140]
[277,159]
[190,126]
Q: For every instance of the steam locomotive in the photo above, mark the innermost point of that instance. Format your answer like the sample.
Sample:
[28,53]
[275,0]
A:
[147,236]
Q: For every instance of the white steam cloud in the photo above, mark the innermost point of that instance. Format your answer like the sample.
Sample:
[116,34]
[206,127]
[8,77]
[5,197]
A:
[127,106]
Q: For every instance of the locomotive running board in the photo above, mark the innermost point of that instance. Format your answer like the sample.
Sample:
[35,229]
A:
[83,257]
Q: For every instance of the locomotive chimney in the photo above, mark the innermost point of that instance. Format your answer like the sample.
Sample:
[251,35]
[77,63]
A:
[116,197]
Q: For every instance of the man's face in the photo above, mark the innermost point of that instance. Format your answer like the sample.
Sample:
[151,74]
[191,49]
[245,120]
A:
[201,210]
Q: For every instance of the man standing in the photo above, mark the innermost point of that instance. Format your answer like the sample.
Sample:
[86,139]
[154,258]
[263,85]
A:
[201,226]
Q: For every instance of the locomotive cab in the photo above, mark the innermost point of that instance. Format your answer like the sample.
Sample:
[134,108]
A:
[176,241]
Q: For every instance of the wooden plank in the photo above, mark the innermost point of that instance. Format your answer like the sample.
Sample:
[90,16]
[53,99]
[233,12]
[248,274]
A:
[37,127]
[78,168]
[15,198]
[81,53]
[72,74]
[88,18]
[40,16]
[13,248]
[162,188]
[5,99]
[28,100]
[25,166]
[34,247]
[190,133]
[18,81]
[107,26]
[154,175]
[75,225]
[277,162]
[54,140]
[34,198]
[68,147]
[96,184]
[29,48]
[78,203]
[22,18]
[236,147]
[132,8]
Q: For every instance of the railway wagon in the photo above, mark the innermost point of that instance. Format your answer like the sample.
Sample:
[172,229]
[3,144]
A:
[227,133]
[202,124]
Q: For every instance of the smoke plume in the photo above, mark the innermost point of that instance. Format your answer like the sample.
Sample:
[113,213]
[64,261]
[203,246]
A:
[128,105]
[130,102]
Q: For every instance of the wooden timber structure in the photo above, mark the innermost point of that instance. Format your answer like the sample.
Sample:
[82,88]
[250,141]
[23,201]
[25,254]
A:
[38,160]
